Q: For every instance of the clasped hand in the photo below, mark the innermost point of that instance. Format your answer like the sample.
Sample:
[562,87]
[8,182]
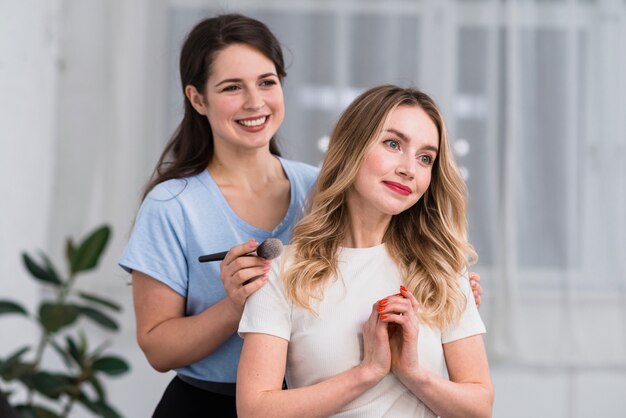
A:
[390,336]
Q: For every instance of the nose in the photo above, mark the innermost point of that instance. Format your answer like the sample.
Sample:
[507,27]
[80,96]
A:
[254,100]
[406,166]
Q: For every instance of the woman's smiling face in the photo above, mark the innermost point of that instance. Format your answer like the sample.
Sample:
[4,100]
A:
[397,169]
[243,98]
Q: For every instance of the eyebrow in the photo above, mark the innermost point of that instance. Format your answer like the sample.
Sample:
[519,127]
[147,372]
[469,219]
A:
[238,80]
[404,138]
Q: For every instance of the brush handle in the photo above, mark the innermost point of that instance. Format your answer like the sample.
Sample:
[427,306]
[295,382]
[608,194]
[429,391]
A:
[212,257]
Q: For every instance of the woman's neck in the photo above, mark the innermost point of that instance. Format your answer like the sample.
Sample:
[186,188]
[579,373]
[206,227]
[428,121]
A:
[245,170]
[255,187]
[364,232]
[366,224]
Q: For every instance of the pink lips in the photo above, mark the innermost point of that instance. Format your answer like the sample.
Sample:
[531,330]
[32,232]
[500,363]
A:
[399,188]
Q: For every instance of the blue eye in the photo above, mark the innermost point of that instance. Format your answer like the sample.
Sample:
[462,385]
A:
[425,159]
[392,143]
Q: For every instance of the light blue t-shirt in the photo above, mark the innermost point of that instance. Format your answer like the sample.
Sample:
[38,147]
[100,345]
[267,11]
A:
[182,219]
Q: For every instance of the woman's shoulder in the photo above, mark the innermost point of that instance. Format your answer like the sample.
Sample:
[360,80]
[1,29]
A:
[283,262]
[177,188]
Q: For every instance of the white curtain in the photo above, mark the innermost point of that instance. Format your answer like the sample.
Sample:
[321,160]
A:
[558,271]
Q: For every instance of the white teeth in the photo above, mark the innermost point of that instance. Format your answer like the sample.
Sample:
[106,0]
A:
[253,122]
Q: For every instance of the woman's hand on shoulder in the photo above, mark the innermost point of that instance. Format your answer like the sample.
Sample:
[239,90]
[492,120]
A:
[477,290]
[243,275]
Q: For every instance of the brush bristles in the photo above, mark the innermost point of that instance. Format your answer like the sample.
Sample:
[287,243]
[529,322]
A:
[270,248]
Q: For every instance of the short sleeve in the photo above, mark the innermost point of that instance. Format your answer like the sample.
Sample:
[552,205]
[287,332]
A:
[157,243]
[470,322]
[268,311]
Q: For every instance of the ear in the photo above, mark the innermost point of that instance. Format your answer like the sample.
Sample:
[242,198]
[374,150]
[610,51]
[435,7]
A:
[196,99]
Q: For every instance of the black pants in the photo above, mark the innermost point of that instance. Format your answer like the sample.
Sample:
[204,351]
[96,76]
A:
[182,400]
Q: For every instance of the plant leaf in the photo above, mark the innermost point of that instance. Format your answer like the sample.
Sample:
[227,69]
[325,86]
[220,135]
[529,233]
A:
[35,411]
[105,410]
[98,388]
[8,307]
[88,253]
[50,267]
[82,344]
[98,317]
[100,300]
[65,356]
[18,371]
[96,353]
[111,365]
[88,403]
[99,407]
[43,274]
[51,385]
[54,316]
[12,360]
[73,350]
[70,249]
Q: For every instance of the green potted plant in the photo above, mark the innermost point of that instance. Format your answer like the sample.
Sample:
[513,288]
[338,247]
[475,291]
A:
[80,379]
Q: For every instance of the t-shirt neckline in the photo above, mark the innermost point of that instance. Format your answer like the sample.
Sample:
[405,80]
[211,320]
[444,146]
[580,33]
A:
[211,184]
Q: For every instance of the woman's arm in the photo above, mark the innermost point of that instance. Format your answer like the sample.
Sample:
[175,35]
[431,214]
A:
[468,393]
[168,338]
[262,367]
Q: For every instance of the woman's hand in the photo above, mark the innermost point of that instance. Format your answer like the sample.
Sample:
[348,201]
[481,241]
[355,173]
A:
[376,350]
[399,312]
[243,275]
[477,290]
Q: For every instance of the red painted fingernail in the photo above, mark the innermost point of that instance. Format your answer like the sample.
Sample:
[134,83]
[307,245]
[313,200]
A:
[403,288]
[383,317]
[380,308]
[383,302]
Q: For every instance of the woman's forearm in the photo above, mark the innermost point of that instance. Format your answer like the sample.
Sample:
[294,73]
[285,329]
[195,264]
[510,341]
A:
[181,341]
[319,400]
[451,399]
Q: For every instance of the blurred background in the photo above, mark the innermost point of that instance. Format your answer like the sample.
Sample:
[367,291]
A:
[534,92]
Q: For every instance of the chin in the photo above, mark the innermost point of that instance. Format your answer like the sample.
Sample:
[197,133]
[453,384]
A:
[393,211]
[265,143]
[398,211]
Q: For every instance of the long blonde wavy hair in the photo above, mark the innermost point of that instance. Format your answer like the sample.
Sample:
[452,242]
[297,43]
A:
[428,241]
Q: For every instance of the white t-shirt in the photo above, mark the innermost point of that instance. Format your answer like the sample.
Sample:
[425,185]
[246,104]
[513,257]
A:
[325,345]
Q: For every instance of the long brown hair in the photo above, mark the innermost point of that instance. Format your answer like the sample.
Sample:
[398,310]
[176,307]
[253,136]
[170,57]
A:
[190,149]
[428,240]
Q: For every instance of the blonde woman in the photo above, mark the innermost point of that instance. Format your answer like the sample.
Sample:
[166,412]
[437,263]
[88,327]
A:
[369,312]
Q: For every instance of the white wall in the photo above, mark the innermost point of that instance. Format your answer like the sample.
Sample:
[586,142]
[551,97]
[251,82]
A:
[68,92]
[106,92]
[29,72]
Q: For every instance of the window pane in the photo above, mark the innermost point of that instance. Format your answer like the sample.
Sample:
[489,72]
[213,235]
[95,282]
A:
[472,149]
[383,49]
[310,100]
[541,192]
